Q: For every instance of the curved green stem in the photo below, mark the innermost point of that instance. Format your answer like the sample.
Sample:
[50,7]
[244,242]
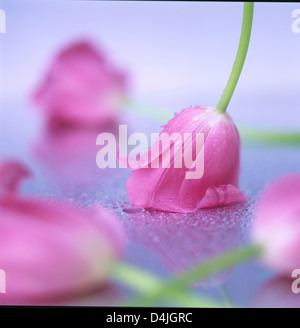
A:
[240,57]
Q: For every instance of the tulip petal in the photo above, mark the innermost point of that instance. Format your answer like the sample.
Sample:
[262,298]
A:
[168,189]
[221,195]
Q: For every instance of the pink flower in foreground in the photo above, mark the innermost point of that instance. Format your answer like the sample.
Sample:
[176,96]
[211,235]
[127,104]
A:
[276,293]
[81,87]
[168,189]
[49,250]
[276,224]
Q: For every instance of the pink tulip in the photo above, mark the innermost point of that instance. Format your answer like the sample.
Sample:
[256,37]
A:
[81,87]
[49,250]
[168,189]
[276,224]
[276,293]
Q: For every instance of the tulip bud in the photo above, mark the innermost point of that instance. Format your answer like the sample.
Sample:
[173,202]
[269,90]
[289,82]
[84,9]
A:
[81,87]
[171,189]
[276,224]
[49,250]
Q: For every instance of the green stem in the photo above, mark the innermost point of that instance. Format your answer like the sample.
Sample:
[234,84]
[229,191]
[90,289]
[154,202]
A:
[226,296]
[144,283]
[247,133]
[153,112]
[270,136]
[153,290]
[214,265]
[240,57]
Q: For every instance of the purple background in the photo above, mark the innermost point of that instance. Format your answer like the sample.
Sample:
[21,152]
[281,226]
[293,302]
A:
[178,54]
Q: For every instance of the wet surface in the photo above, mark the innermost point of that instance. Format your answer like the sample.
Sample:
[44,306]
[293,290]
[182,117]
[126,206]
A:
[64,167]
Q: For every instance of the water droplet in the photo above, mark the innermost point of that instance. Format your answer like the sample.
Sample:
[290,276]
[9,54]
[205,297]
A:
[133,209]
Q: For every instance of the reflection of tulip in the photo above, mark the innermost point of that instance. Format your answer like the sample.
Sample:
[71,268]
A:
[185,240]
[168,189]
[50,250]
[276,293]
[81,87]
[68,155]
[276,224]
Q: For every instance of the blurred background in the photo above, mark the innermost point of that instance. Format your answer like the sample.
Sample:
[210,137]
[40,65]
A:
[176,54]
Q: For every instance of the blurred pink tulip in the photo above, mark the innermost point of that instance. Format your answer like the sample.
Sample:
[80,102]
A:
[81,88]
[49,250]
[276,224]
[276,293]
[167,189]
